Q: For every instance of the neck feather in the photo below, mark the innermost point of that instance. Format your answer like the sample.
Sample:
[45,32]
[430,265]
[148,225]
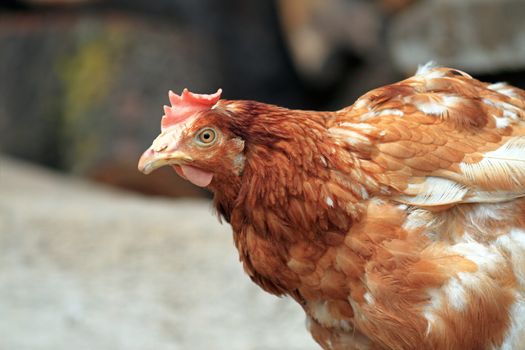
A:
[293,180]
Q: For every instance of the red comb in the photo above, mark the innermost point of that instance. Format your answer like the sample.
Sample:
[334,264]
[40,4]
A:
[185,105]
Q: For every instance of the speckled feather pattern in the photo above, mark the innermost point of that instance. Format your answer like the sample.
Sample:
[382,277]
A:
[397,222]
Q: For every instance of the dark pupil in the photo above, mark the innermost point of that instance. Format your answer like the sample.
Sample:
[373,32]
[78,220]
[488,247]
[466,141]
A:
[206,136]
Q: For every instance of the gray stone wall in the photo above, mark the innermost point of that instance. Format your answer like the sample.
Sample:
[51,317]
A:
[481,36]
[82,87]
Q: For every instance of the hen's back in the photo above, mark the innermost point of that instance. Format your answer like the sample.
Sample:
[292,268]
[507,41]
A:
[449,153]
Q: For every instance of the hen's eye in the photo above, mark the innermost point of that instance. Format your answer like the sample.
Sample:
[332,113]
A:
[207,136]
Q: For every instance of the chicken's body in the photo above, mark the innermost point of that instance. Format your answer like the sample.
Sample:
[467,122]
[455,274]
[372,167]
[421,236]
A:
[396,223]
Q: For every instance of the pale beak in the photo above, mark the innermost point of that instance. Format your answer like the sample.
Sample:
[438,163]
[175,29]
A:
[152,160]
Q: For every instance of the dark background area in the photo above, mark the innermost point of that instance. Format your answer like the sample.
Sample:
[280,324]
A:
[83,82]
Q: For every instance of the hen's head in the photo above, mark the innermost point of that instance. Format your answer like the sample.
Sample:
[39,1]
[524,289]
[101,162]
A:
[197,140]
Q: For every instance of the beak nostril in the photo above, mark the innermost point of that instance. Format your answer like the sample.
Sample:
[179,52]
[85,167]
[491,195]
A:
[161,148]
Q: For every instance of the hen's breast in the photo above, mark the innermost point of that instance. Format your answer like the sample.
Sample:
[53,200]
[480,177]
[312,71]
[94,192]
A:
[492,235]
[409,278]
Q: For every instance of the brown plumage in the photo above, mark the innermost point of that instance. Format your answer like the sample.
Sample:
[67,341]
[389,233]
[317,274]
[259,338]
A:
[396,223]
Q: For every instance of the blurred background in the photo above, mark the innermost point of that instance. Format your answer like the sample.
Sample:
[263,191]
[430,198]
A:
[94,254]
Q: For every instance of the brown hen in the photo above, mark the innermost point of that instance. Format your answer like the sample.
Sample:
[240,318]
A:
[396,223]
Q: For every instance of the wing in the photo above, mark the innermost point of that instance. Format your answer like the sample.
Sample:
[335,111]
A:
[440,138]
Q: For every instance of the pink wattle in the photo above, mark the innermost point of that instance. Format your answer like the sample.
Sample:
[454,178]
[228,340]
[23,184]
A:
[178,170]
[196,176]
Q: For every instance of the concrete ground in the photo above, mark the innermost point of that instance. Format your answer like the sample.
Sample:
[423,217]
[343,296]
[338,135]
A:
[87,267]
